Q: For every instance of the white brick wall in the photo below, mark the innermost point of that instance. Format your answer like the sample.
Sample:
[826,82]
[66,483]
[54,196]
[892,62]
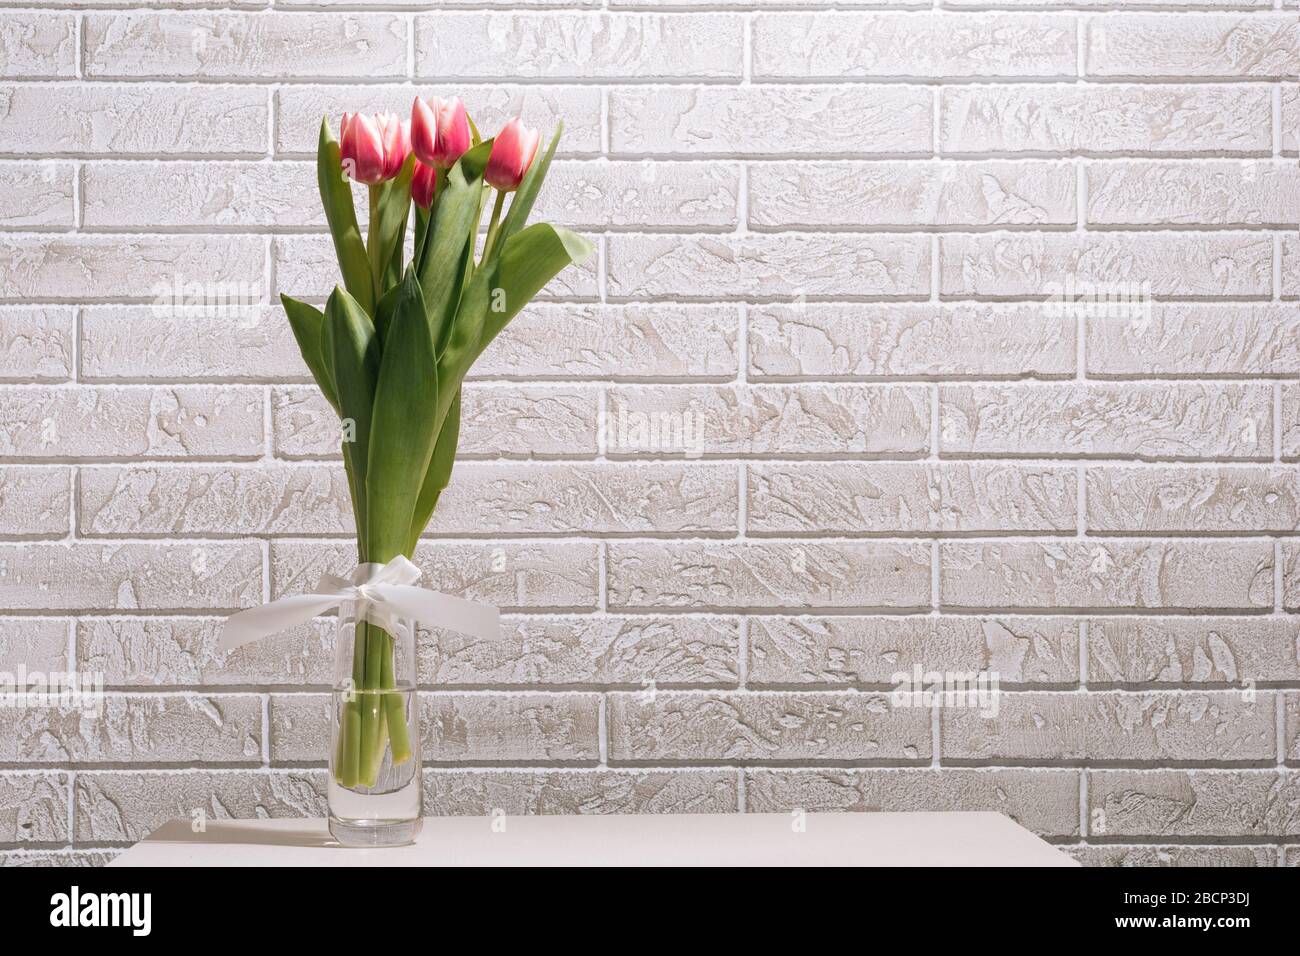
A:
[828,240]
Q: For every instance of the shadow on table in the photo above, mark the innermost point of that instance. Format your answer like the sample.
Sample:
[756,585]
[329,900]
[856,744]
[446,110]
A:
[240,831]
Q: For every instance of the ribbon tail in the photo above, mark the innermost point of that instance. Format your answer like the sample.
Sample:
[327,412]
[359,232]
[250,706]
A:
[258,622]
[441,610]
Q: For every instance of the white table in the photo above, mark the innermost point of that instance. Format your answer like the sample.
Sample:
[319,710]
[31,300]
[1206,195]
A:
[750,839]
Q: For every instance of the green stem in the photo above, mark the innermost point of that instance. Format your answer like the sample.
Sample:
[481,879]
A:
[372,756]
[373,250]
[493,226]
[394,706]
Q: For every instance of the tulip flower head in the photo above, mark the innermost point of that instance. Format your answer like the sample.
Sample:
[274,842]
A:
[373,148]
[423,185]
[512,153]
[439,131]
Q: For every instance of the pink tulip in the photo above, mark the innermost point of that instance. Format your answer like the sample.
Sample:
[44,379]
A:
[512,153]
[423,185]
[373,148]
[439,131]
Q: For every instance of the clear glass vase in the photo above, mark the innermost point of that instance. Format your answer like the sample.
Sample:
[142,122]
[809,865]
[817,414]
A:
[374,779]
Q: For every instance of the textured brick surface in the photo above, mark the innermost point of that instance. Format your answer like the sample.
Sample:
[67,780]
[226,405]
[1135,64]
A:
[1045,801]
[764,726]
[873,650]
[1156,803]
[953,337]
[1114,727]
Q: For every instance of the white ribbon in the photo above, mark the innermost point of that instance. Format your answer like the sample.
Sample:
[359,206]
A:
[383,592]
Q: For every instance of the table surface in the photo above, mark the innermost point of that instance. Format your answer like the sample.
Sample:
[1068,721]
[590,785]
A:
[748,839]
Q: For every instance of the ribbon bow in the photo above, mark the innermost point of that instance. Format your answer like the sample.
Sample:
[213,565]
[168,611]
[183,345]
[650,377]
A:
[383,592]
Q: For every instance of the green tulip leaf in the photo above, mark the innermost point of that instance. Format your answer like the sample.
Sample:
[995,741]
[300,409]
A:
[390,208]
[341,214]
[306,322]
[529,260]
[356,362]
[405,425]
[454,224]
[439,473]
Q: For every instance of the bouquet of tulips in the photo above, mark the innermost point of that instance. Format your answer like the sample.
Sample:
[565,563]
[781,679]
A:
[396,338]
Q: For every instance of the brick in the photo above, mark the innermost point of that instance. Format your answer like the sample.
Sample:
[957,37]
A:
[1290,745]
[37,644]
[458,728]
[1177,650]
[36,343]
[883,498]
[774,575]
[517,421]
[1194,803]
[129,576]
[832,45]
[131,421]
[1290,118]
[1290,576]
[536,575]
[34,807]
[214,500]
[253,343]
[1113,727]
[301,106]
[1207,46]
[906,340]
[791,265]
[909,194]
[1180,856]
[263,45]
[144,119]
[769,120]
[1105,120]
[1197,575]
[36,196]
[159,728]
[34,501]
[695,420]
[600,194]
[58,858]
[1197,499]
[196,272]
[1087,4]
[1197,339]
[615,342]
[1044,801]
[37,45]
[127,806]
[1153,421]
[222,195]
[1290,420]
[1290,274]
[600,498]
[755,727]
[306,268]
[636,650]
[182,651]
[754,4]
[1181,192]
[1211,264]
[571,792]
[566,45]
[872,650]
